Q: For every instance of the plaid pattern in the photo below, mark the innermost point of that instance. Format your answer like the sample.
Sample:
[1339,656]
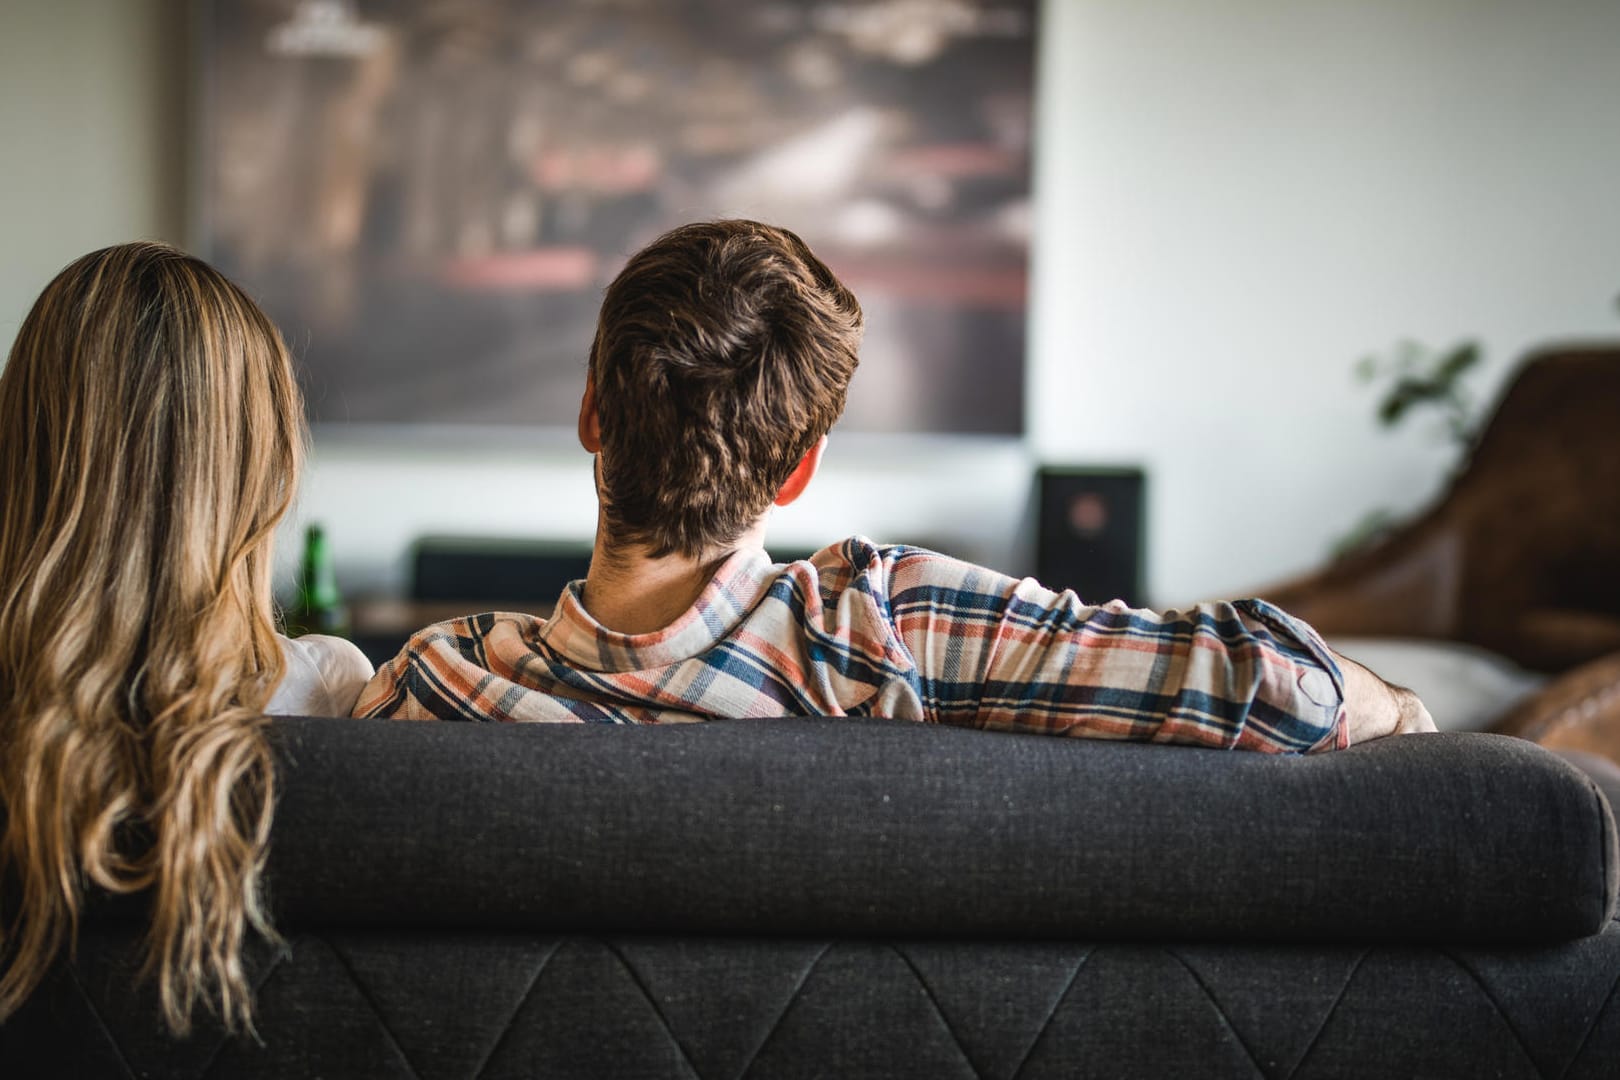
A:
[861,629]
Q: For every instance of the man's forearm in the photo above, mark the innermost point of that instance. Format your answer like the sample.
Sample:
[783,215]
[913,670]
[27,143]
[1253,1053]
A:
[1374,708]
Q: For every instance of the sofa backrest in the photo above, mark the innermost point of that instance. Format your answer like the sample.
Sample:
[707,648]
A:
[855,827]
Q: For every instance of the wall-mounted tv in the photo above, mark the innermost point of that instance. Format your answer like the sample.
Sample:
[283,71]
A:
[429,197]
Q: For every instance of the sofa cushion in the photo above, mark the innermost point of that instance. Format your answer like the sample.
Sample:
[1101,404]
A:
[819,826]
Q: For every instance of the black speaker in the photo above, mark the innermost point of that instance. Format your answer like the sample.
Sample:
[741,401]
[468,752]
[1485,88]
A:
[1089,535]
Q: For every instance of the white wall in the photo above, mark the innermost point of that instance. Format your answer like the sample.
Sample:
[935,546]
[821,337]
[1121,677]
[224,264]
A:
[1235,200]
[92,135]
[1240,198]
[966,497]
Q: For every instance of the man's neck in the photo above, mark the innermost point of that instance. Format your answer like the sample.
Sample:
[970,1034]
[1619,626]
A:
[629,591]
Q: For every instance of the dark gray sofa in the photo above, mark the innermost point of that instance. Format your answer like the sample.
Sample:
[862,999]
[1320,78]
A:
[799,898]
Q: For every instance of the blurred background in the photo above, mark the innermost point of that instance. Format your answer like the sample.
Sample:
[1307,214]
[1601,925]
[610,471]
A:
[1155,235]
[432,196]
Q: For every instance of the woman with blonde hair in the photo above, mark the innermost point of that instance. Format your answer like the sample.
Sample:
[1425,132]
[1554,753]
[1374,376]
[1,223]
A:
[151,434]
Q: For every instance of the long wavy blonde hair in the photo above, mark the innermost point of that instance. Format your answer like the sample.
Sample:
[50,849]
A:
[151,434]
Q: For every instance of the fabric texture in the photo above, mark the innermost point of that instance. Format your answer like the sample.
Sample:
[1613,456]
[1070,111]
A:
[324,677]
[848,826]
[794,898]
[485,1005]
[860,629]
[1603,772]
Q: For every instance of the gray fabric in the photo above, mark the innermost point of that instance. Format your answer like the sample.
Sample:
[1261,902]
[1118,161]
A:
[1603,772]
[785,899]
[878,827]
[453,1005]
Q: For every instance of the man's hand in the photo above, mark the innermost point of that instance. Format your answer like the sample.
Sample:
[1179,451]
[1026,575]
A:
[1375,708]
[1414,714]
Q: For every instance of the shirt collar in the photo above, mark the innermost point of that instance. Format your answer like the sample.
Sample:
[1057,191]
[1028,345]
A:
[736,588]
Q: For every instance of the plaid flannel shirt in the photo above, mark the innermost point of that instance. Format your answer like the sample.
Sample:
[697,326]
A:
[861,629]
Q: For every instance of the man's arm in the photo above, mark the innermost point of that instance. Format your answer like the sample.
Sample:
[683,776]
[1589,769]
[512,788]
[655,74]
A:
[994,652]
[1374,708]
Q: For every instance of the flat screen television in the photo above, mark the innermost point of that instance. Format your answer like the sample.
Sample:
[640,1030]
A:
[429,197]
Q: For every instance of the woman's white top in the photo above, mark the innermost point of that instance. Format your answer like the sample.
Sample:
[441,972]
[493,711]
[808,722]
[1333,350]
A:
[324,677]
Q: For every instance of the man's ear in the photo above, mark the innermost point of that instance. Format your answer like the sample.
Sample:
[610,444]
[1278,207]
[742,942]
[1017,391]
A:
[590,428]
[802,474]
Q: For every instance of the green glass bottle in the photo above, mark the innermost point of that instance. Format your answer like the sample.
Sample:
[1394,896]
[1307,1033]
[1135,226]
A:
[319,607]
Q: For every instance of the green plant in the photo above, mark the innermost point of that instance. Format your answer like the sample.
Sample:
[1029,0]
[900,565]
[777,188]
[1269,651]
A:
[1420,379]
[1424,377]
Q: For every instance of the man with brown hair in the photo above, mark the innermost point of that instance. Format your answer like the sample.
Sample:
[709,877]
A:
[722,356]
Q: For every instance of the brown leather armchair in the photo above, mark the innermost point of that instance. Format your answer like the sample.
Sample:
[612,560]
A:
[1520,555]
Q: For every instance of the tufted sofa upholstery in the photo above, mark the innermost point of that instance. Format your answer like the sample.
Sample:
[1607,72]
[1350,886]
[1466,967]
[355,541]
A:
[796,898]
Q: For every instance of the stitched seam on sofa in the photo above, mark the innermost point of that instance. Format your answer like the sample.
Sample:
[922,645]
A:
[1057,1004]
[928,992]
[646,992]
[264,978]
[84,995]
[798,987]
[1609,834]
[371,1003]
[1590,1028]
[1518,1036]
[1327,1014]
[1220,1011]
[528,991]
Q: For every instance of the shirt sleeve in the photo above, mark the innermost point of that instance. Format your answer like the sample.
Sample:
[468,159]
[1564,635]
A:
[385,694]
[1006,654]
[323,677]
[441,674]
[391,693]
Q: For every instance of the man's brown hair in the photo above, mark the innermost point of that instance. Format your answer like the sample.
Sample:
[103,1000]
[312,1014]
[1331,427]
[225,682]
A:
[723,352]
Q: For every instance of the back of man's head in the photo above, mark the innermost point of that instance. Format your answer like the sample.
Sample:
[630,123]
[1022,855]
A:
[723,352]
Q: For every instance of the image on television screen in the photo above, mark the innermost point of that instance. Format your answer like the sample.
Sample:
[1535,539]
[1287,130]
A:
[429,197]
